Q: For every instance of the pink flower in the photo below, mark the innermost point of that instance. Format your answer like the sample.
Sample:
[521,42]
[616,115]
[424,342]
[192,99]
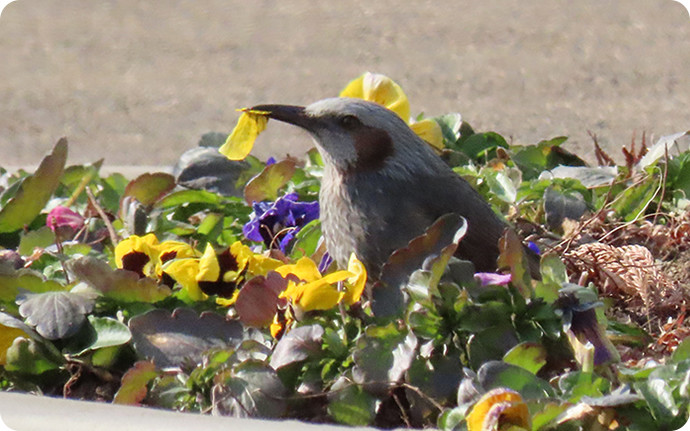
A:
[492,279]
[61,216]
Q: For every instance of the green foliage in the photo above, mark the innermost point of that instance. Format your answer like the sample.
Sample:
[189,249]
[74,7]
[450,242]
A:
[424,347]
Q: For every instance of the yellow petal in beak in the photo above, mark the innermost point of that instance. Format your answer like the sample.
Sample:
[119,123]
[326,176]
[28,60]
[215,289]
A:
[241,140]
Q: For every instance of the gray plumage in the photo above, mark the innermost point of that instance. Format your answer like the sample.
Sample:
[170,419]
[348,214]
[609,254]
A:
[383,185]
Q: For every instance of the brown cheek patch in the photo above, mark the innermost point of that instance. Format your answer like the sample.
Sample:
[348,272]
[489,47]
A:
[373,147]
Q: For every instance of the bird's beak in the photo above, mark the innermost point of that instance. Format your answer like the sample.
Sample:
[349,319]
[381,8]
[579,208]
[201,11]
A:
[290,114]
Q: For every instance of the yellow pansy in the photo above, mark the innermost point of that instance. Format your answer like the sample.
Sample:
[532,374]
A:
[241,140]
[499,408]
[354,287]
[185,271]
[380,89]
[305,269]
[219,273]
[137,254]
[318,292]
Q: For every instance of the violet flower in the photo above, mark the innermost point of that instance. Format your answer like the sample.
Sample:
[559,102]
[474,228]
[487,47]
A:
[276,223]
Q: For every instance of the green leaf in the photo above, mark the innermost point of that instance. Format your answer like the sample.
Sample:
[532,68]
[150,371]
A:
[491,343]
[451,419]
[55,315]
[682,352]
[119,284]
[433,248]
[107,332]
[659,397]
[28,280]
[495,374]
[171,339]
[149,188]
[134,382]
[39,238]
[554,275]
[307,240]
[559,205]
[265,186]
[530,356]
[35,190]
[450,127]
[633,201]
[501,185]
[253,390]
[184,197]
[28,357]
[348,404]
[383,356]
[297,345]
[478,145]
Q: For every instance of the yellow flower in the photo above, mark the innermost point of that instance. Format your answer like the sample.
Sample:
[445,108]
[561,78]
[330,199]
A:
[500,408]
[137,254]
[219,273]
[241,140]
[381,89]
[317,292]
[305,269]
[354,287]
[146,256]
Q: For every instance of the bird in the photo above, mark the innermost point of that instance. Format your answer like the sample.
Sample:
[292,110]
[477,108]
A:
[382,185]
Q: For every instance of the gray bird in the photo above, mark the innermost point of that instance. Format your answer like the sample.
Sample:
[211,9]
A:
[383,185]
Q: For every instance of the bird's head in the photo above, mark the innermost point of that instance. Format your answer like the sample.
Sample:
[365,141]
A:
[355,135]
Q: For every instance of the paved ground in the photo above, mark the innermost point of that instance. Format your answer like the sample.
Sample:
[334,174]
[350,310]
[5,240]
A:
[138,82]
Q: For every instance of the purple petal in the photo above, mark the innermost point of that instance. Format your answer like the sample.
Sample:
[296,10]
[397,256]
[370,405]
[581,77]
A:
[492,279]
[534,247]
[326,261]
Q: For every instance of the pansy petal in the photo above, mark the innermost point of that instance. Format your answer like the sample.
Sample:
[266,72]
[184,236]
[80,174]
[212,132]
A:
[317,295]
[241,140]
[380,89]
[497,408]
[184,271]
[356,282]
[430,132]
[305,269]
[209,269]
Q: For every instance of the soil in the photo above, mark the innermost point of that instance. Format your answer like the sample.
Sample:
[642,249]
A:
[139,82]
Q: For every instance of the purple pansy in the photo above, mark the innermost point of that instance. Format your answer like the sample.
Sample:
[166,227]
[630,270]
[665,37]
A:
[492,279]
[277,223]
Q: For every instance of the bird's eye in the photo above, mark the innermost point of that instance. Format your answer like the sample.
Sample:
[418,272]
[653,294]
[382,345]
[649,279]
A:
[350,121]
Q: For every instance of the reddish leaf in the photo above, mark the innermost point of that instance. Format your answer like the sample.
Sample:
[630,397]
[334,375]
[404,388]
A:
[133,387]
[35,190]
[258,299]
[173,339]
[118,284]
[149,188]
[265,186]
[513,256]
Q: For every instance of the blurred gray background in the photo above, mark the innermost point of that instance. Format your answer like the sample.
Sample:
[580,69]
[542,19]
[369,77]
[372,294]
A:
[138,82]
